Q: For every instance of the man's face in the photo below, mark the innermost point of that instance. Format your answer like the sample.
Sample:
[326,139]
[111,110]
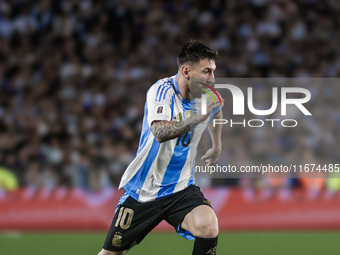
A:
[203,72]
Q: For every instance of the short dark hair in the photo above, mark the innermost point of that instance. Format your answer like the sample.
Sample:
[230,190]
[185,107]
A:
[194,51]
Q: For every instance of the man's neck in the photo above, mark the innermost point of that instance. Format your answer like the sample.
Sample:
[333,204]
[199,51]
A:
[183,87]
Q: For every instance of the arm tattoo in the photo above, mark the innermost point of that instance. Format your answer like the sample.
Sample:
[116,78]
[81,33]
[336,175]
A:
[165,130]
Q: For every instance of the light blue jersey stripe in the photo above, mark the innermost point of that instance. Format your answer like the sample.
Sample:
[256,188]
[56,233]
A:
[145,132]
[172,105]
[173,172]
[137,181]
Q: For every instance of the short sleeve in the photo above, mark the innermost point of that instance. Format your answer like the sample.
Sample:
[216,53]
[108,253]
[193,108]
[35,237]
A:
[158,102]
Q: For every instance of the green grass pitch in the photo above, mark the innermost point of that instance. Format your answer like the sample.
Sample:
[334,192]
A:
[230,243]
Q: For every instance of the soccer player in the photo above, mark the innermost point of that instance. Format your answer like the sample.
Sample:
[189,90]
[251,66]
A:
[159,183]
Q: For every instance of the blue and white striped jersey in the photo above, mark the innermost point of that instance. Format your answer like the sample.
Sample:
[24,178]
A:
[161,169]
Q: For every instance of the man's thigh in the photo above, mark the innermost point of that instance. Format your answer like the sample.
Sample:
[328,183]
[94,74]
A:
[131,223]
[201,221]
[186,201]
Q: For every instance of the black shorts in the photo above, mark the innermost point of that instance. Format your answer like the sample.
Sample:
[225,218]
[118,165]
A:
[134,220]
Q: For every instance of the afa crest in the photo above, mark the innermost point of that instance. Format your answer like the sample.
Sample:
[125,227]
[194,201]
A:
[117,239]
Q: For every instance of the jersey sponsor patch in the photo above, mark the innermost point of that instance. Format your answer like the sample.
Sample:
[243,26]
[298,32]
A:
[160,110]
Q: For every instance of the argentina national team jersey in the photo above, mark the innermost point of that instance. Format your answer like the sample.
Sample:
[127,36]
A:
[161,169]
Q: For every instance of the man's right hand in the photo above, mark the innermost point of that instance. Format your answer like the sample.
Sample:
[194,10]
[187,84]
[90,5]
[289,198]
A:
[210,107]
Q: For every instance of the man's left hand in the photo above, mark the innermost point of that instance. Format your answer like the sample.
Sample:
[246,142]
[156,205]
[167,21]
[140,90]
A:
[211,156]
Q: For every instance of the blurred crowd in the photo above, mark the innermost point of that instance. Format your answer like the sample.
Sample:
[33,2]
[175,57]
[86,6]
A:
[74,74]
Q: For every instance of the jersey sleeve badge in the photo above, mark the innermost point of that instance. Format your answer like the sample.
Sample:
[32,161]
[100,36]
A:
[160,111]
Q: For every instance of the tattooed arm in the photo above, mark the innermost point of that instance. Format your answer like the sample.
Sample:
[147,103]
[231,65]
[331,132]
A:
[165,130]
